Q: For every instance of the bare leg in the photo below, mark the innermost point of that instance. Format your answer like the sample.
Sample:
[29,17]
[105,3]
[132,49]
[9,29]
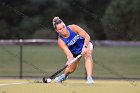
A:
[71,68]
[89,66]
[89,61]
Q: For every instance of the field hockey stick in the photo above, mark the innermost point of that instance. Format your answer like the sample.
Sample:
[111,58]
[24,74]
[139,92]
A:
[60,70]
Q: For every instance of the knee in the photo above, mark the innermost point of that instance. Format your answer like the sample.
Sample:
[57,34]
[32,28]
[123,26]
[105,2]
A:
[88,55]
[71,69]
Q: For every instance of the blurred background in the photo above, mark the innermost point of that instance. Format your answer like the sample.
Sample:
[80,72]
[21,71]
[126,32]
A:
[102,19]
[29,48]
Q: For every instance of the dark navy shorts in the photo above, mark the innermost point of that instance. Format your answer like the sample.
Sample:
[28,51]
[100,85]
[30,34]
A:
[75,55]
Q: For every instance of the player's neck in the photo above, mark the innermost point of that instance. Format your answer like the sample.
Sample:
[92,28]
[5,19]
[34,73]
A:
[66,34]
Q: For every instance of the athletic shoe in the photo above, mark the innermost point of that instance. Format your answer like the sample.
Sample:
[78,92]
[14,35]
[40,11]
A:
[90,80]
[60,78]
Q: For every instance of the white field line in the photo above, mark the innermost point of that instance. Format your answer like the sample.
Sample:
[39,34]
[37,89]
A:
[7,84]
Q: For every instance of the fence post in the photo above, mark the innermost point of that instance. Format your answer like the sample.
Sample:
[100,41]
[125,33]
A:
[21,56]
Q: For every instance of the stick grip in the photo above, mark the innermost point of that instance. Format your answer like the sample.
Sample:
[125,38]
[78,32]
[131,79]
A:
[74,59]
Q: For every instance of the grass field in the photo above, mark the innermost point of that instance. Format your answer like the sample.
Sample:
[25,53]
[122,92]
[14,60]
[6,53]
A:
[69,86]
[116,62]
[109,62]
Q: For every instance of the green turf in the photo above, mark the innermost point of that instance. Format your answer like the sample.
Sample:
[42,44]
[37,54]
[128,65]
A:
[118,62]
[70,86]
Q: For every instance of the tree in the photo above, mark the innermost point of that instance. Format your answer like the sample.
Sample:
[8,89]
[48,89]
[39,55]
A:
[122,20]
[31,18]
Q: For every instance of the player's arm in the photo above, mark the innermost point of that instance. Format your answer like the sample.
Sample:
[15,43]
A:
[65,49]
[82,33]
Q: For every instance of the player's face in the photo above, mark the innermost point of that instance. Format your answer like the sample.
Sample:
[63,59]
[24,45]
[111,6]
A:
[61,28]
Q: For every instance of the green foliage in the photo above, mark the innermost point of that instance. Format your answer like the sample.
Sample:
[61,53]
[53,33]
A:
[43,34]
[3,29]
[122,20]
[26,18]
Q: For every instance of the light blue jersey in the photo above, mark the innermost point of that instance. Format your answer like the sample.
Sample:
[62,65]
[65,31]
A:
[74,42]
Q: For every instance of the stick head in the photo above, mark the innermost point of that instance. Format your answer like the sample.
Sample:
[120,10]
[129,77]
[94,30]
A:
[46,80]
